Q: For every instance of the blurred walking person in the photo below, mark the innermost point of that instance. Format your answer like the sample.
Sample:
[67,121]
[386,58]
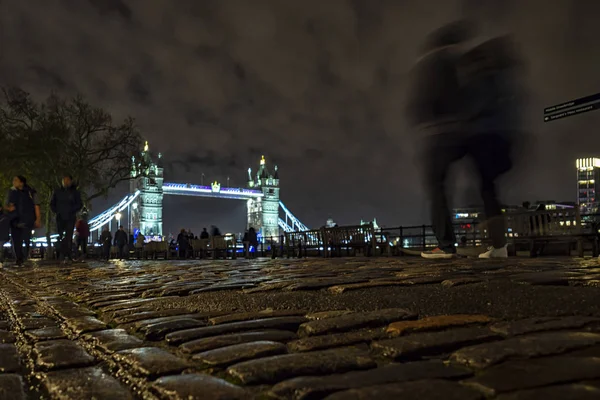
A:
[82,231]
[465,105]
[434,111]
[493,100]
[66,203]
[183,244]
[24,202]
[106,242]
[121,242]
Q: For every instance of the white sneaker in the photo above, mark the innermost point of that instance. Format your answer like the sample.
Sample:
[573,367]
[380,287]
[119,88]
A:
[495,253]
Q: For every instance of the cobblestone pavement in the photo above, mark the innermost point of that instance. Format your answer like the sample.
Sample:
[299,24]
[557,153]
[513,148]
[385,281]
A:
[302,329]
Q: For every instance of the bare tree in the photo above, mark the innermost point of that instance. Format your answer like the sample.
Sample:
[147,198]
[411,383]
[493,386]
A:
[65,136]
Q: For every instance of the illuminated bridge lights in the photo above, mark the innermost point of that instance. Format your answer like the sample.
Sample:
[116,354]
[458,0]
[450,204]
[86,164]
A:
[210,191]
[290,224]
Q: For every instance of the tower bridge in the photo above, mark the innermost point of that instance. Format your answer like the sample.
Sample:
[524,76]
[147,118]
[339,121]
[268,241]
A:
[144,203]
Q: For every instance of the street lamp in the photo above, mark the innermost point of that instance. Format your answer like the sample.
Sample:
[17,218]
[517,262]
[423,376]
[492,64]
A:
[227,181]
[118,218]
[202,179]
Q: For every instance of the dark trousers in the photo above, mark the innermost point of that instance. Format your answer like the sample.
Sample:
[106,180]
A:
[65,230]
[121,251]
[82,244]
[106,251]
[491,156]
[20,236]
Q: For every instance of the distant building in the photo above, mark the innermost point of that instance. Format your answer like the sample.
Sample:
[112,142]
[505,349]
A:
[263,212]
[588,179]
[330,223]
[375,226]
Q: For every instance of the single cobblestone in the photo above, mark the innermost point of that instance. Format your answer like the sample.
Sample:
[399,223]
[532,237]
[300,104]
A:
[336,340]
[12,387]
[529,374]
[438,322]
[9,358]
[211,343]
[327,314]
[279,323]
[354,321]
[277,368]
[113,340]
[84,383]
[159,330]
[57,354]
[151,361]
[197,387]
[531,325]
[38,323]
[247,316]
[426,389]
[545,344]
[37,335]
[85,324]
[6,337]
[318,387]
[150,315]
[559,392]
[226,356]
[426,344]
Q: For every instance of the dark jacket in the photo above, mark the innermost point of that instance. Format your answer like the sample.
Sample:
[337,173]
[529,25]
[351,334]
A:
[25,201]
[66,203]
[253,238]
[105,238]
[493,97]
[183,241]
[432,105]
[83,228]
[120,238]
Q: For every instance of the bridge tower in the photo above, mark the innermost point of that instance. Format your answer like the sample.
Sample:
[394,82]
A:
[147,177]
[263,212]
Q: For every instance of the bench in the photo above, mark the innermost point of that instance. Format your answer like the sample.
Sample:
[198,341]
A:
[153,250]
[298,244]
[358,239]
[535,230]
[219,247]
[200,247]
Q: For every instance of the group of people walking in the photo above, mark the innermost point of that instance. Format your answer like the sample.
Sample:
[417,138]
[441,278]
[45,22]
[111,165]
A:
[21,214]
[466,103]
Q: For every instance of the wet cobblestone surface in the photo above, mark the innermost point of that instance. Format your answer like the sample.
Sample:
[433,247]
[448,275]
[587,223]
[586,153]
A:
[302,329]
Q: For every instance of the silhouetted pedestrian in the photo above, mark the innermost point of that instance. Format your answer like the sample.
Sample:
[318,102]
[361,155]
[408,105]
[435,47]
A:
[106,242]
[23,199]
[66,203]
[82,231]
[183,244]
[121,241]
[204,234]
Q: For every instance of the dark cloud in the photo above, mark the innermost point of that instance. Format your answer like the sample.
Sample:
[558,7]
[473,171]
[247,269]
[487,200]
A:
[316,86]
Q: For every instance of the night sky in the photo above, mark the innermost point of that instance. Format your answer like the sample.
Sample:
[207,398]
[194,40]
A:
[316,86]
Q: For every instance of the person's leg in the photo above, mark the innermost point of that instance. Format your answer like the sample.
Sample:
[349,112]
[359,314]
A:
[17,244]
[440,153]
[492,158]
[84,244]
[27,241]
[68,238]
